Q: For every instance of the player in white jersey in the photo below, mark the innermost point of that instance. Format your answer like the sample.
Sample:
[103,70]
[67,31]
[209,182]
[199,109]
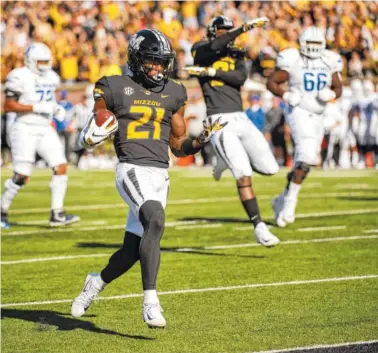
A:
[30,92]
[313,77]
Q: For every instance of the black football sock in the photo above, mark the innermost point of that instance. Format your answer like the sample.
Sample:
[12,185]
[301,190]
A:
[152,217]
[252,209]
[123,259]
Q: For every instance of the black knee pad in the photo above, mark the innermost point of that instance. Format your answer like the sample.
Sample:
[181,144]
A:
[19,180]
[152,216]
[302,168]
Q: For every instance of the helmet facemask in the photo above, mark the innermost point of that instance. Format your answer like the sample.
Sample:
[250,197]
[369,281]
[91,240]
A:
[141,64]
[151,63]
[312,42]
[312,49]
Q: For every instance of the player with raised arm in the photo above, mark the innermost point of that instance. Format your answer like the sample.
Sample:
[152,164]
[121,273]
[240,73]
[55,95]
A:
[149,108]
[313,77]
[240,146]
[30,93]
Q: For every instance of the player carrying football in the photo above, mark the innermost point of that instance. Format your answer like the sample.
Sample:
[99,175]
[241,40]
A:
[313,77]
[149,108]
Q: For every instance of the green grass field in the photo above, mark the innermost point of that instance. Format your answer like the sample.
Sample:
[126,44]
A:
[221,292]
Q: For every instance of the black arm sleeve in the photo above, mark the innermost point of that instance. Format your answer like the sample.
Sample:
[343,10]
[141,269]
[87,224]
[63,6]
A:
[204,51]
[220,43]
[102,90]
[186,148]
[236,77]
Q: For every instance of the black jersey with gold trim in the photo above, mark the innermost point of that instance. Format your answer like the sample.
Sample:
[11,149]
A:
[222,92]
[144,118]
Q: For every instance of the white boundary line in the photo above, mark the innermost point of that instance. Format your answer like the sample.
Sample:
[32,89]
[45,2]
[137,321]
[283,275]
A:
[310,229]
[215,247]
[371,231]
[187,202]
[211,289]
[319,346]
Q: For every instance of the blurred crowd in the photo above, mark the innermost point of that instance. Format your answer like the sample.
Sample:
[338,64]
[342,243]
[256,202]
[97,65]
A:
[89,38]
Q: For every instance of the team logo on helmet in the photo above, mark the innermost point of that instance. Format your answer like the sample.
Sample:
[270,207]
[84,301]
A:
[135,42]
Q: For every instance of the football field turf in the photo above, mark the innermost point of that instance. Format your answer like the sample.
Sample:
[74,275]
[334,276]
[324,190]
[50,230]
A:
[221,292]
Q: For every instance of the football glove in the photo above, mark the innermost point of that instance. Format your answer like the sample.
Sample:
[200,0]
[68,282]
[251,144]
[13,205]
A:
[292,98]
[93,135]
[257,23]
[201,71]
[326,95]
[209,129]
[59,113]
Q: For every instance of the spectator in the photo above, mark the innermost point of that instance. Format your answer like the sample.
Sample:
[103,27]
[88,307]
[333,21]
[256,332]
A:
[93,28]
[255,112]
[355,65]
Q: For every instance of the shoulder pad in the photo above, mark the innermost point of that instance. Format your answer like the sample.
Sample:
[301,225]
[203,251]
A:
[197,45]
[333,60]
[55,77]
[286,58]
[16,80]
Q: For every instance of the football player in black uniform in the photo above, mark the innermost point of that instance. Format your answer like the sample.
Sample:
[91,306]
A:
[240,146]
[149,108]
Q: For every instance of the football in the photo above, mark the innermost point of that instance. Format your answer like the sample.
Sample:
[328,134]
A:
[103,115]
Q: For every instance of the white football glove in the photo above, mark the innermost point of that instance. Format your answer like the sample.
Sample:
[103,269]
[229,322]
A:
[44,108]
[93,135]
[258,22]
[59,113]
[292,98]
[326,95]
[201,71]
[209,129]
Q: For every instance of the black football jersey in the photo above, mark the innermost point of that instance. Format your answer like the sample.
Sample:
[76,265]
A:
[220,96]
[144,118]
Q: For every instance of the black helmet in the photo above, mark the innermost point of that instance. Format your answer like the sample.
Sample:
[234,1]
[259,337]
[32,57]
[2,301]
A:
[149,46]
[219,22]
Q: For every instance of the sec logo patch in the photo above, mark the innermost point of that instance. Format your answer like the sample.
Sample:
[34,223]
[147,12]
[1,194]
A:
[128,91]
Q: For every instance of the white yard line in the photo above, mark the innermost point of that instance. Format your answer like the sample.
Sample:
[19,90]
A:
[310,229]
[74,228]
[287,242]
[178,223]
[46,222]
[208,289]
[215,247]
[186,202]
[318,346]
[371,231]
[212,225]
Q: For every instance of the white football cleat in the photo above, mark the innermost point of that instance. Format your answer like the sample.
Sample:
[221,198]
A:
[219,168]
[288,210]
[93,285]
[152,315]
[264,236]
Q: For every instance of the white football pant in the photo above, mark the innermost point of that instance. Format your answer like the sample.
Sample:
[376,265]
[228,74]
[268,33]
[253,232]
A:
[138,184]
[27,140]
[242,146]
[307,130]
